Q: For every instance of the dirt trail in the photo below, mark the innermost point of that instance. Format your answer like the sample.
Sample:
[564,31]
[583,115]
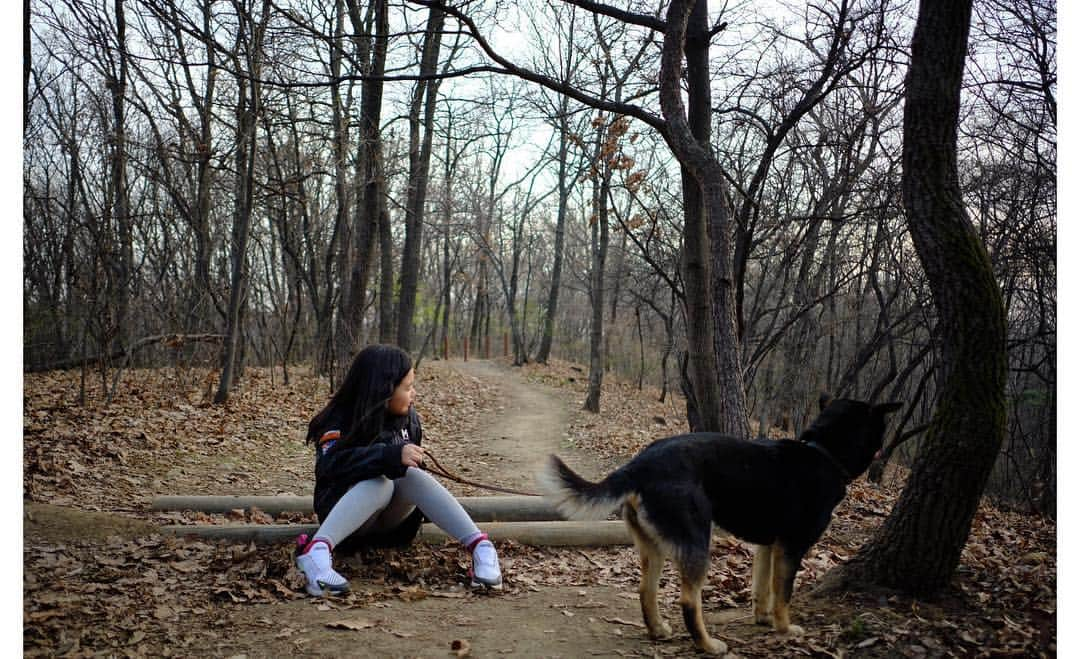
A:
[531,423]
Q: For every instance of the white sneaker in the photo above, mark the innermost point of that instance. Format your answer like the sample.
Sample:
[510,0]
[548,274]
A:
[321,577]
[485,570]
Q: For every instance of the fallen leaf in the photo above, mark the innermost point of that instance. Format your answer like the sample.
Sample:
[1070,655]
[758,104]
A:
[355,624]
[186,567]
[620,621]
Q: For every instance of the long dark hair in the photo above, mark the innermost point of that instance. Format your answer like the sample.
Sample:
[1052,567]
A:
[358,408]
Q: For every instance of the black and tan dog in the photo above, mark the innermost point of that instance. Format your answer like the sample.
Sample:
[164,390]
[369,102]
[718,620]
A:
[778,495]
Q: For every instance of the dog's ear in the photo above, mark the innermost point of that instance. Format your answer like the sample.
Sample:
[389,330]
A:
[823,400]
[887,408]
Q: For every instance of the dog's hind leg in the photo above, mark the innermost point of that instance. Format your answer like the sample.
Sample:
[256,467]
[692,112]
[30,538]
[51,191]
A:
[762,585]
[784,566]
[652,563]
[693,569]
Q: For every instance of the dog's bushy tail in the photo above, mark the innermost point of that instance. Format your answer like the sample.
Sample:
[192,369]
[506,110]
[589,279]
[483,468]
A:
[577,498]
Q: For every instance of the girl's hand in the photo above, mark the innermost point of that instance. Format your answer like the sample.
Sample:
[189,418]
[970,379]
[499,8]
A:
[412,455]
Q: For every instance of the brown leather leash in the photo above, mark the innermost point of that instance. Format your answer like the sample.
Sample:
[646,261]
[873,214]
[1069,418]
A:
[440,470]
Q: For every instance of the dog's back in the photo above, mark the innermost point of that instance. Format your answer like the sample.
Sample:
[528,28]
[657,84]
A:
[754,490]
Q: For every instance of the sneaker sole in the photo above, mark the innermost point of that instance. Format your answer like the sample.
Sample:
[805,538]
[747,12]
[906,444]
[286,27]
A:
[319,589]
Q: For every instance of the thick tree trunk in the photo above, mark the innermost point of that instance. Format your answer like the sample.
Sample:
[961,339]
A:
[424,98]
[715,369]
[360,247]
[918,547]
[340,124]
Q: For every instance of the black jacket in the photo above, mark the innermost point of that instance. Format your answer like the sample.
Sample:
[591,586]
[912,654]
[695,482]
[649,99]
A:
[338,467]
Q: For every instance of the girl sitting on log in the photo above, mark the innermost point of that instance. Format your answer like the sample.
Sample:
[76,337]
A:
[369,488]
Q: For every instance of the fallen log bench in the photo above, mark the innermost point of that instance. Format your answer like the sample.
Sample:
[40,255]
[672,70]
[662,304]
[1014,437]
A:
[528,520]
[481,509]
[550,533]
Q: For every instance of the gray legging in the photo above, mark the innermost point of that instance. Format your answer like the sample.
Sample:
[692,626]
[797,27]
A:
[381,503]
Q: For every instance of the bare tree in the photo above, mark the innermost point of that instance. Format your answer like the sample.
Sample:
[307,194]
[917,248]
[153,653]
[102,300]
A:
[371,35]
[247,57]
[918,547]
[559,110]
[424,97]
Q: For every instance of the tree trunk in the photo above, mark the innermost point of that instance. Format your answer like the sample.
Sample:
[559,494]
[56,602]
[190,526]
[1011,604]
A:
[424,97]
[560,236]
[340,126]
[596,279]
[27,52]
[386,277]
[918,547]
[360,247]
[716,394]
[616,291]
[516,247]
[204,171]
[447,212]
[247,109]
[124,260]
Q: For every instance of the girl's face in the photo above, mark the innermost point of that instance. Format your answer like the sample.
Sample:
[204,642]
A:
[402,398]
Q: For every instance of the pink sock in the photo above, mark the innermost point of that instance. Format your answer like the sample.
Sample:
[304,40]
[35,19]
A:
[314,541]
[471,541]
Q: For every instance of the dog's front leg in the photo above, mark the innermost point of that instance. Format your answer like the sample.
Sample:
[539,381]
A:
[784,566]
[762,585]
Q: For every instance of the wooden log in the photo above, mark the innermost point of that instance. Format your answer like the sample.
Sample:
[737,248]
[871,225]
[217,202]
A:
[271,505]
[258,533]
[547,534]
[481,509]
[550,533]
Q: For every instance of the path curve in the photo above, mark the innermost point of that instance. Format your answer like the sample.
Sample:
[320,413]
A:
[531,422]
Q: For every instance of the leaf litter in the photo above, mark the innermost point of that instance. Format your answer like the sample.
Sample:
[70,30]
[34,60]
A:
[110,585]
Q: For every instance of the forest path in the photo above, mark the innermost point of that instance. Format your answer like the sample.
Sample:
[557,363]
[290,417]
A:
[531,422]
